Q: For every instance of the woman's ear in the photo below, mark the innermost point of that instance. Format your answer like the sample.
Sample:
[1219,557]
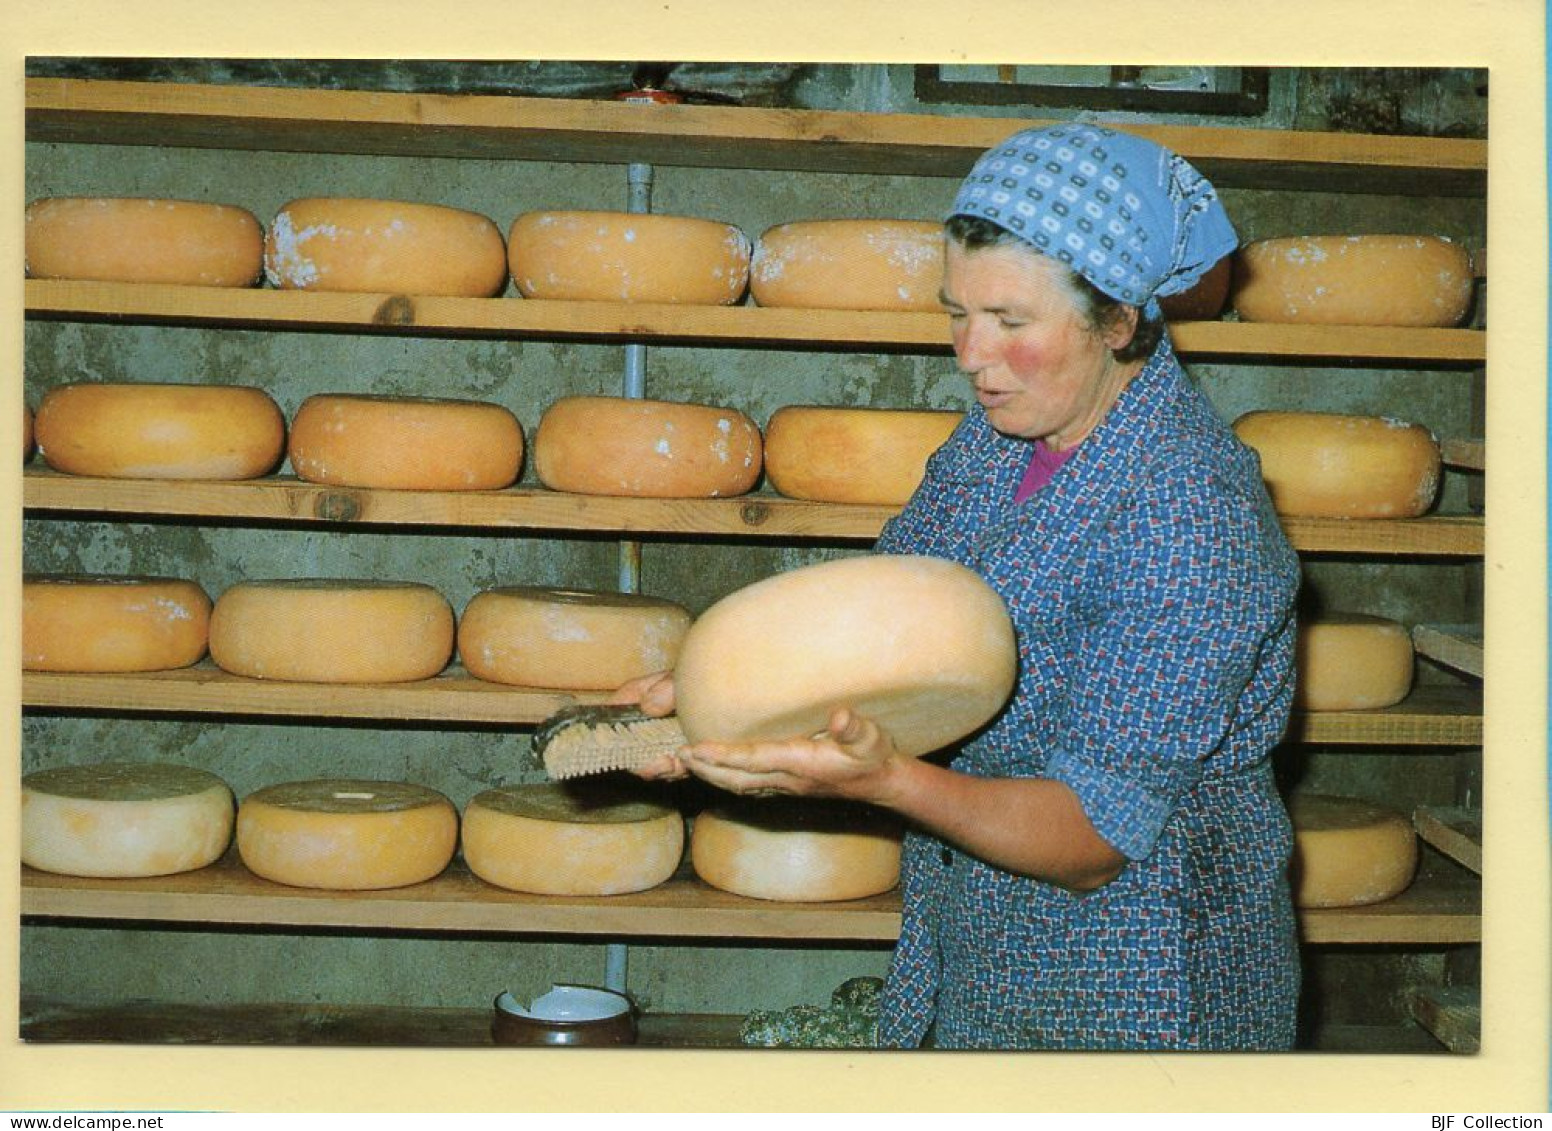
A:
[1121,326]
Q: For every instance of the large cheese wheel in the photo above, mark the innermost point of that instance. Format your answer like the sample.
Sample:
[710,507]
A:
[796,851]
[922,645]
[127,240]
[1332,465]
[653,449]
[852,455]
[555,840]
[408,443]
[346,834]
[1354,280]
[850,265]
[160,431]
[318,631]
[393,246]
[112,624]
[120,819]
[1204,299]
[535,636]
[1352,662]
[1349,852]
[627,257]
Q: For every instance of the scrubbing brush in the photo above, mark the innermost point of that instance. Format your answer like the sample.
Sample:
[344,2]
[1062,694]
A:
[595,739]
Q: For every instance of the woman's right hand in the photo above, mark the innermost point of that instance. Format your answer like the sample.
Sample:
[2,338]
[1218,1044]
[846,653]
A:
[654,695]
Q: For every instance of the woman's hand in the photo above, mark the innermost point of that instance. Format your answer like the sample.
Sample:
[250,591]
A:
[654,695]
[852,757]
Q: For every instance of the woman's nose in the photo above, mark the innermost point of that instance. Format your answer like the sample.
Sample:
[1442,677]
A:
[970,346]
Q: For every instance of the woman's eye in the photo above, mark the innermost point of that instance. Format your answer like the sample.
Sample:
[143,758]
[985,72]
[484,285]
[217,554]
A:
[1011,323]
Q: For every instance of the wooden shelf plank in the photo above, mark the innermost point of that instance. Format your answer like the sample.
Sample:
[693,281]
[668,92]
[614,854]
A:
[1430,716]
[789,328]
[1471,455]
[561,129]
[1458,646]
[1454,830]
[284,499]
[205,689]
[1432,911]
[1453,1014]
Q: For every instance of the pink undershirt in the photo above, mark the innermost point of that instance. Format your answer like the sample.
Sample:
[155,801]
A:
[1042,465]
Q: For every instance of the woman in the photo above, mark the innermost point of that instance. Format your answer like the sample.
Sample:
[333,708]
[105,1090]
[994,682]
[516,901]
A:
[1104,866]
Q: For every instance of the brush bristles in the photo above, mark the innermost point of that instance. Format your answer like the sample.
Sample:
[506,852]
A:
[596,748]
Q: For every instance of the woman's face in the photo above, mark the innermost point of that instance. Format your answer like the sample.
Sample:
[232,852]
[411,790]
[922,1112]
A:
[1037,367]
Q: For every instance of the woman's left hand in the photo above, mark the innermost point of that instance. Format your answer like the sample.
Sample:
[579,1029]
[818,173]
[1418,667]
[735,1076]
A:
[852,757]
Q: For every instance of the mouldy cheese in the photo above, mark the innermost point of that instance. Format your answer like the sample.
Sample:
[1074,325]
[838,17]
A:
[796,850]
[130,240]
[76,623]
[1354,280]
[123,819]
[535,636]
[627,257]
[922,645]
[405,443]
[1349,852]
[1331,465]
[852,455]
[346,834]
[327,631]
[391,246]
[1352,662]
[646,448]
[160,431]
[570,840]
[850,265]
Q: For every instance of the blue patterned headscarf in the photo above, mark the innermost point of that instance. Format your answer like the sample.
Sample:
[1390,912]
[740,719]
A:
[1128,215]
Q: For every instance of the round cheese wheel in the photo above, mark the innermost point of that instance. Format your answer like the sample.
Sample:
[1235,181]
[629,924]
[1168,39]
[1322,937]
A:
[1203,300]
[535,636]
[158,431]
[553,840]
[1349,852]
[1352,662]
[850,265]
[868,456]
[406,443]
[652,449]
[796,851]
[1354,281]
[627,257]
[127,240]
[121,819]
[393,246]
[921,645]
[346,834]
[1331,465]
[112,624]
[319,631]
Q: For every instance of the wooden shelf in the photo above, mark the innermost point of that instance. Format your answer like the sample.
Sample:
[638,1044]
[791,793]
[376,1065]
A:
[787,328]
[1454,830]
[485,127]
[1469,455]
[282,499]
[1430,716]
[1457,646]
[1432,911]
[1453,1015]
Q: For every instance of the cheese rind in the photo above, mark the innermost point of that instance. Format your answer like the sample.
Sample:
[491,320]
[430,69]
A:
[1352,662]
[124,819]
[328,631]
[850,265]
[389,246]
[537,636]
[921,645]
[1348,852]
[405,443]
[346,834]
[1354,280]
[160,431]
[646,448]
[556,840]
[1333,465]
[627,257]
[139,240]
[80,623]
[864,456]
[796,851]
